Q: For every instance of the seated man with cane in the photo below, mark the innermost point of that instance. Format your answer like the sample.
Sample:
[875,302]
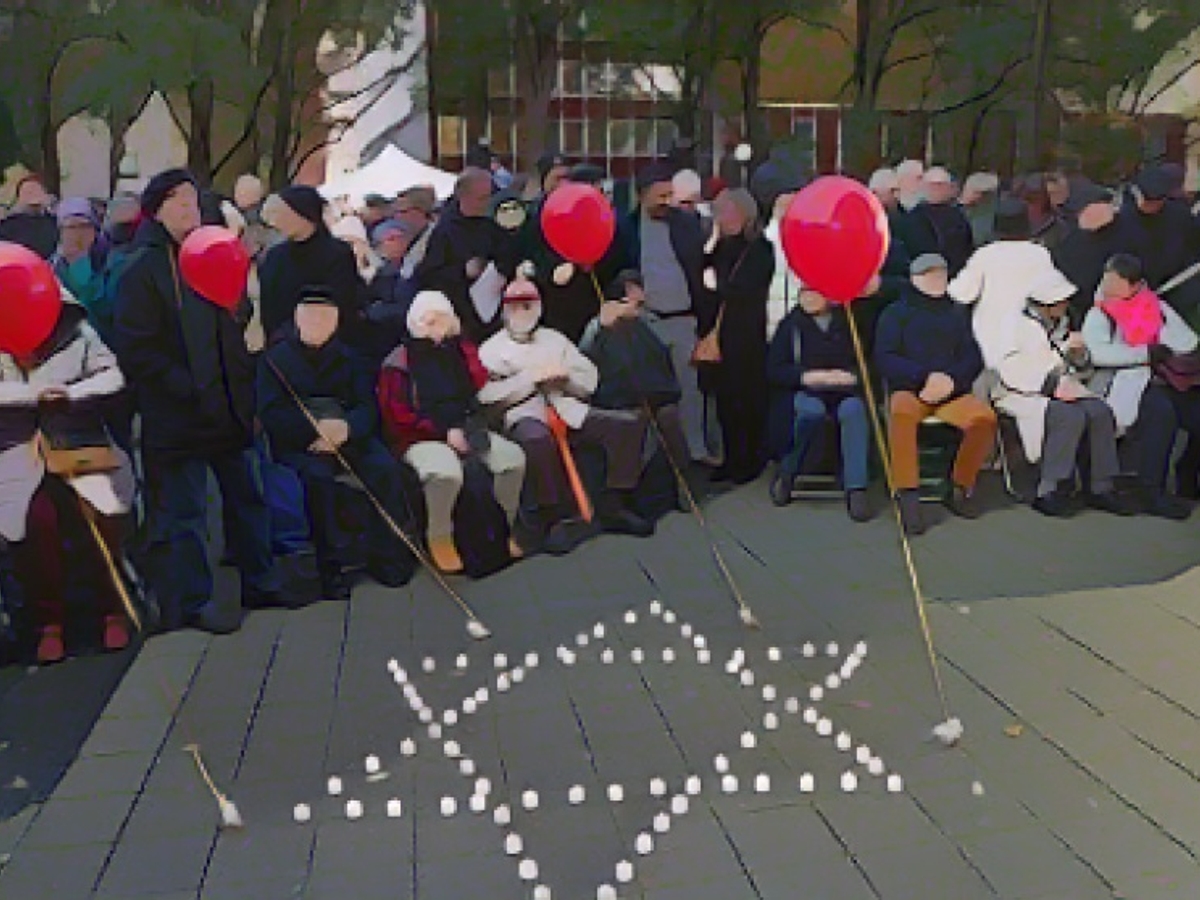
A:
[541,383]
[316,402]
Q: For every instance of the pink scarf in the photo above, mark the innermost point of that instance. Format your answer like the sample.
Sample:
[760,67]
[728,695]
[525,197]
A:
[1139,319]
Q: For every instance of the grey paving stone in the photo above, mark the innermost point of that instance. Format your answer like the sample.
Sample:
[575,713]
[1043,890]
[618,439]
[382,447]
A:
[87,820]
[923,871]
[1045,865]
[830,880]
[275,859]
[159,865]
[112,736]
[37,873]
[13,830]
[98,775]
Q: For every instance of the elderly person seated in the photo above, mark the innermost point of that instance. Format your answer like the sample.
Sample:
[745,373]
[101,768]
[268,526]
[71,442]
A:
[316,402]
[432,419]
[59,467]
[811,368]
[538,379]
[1128,331]
[929,360]
[1042,386]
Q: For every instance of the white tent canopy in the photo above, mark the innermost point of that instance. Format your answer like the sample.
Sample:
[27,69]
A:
[388,174]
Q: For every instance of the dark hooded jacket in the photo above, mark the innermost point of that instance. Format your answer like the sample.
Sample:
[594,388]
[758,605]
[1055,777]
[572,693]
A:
[185,357]
[324,378]
[290,267]
[455,241]
[36,231]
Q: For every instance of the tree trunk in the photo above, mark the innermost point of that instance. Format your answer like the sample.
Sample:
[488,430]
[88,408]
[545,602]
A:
[285,99]
[1041,48]
[535,120]
[51,168]
[201,104]
[755,134]
[863,96]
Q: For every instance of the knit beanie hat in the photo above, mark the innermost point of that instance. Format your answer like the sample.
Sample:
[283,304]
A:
[424,303]
[305,202]
[155,194]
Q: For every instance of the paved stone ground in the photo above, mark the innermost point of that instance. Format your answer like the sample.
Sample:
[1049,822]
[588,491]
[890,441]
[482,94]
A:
[1094,796]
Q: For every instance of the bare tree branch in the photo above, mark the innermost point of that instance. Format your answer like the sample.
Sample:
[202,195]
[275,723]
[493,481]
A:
[250,126]
[987,92]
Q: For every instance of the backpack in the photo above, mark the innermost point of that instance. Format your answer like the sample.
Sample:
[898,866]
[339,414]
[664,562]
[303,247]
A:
[481,530]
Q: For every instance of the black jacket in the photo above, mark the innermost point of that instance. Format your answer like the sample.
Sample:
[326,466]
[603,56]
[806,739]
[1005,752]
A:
[328,377]
[634,365]
[1167,243]
[36,231]
[800,346]
[455,241]
[322,260]
[185,357]
[921,335]
[687,239]
[938,228]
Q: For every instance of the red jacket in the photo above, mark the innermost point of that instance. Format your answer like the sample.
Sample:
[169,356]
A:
[403,424]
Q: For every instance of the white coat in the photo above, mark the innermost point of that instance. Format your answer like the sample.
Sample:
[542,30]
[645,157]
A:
[87,369]
[997,280]
[1036,355]
[513,364]
[1123,372]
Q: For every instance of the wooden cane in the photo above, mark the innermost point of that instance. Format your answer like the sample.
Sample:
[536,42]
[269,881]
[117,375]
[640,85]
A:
[559,429]
[111,564]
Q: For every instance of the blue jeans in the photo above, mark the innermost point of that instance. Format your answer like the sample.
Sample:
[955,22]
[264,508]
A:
[177,559]
[851,413]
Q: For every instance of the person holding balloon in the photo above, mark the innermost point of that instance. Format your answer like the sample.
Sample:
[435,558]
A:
[740,273]
[181,344]
[55,374]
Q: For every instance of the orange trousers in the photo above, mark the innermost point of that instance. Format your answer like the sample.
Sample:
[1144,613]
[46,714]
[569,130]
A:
[970,415]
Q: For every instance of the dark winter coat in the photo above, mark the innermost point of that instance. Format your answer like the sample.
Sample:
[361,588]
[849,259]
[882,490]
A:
[800,346]
[321,261]
[635,367]
[1167,243]
[744,269]
[455,241]
[324,378]
[1081,257]
[687,239]
[36,231]
[406,421]
[570,307]
[185,357]
[939,228]
[921,335]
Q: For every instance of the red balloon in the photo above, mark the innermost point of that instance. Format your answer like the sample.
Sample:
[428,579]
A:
[579,223]
[835,237]
[30,300]
[215,265]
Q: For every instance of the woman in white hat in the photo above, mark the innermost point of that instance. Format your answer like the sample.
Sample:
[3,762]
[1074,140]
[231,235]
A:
[1042,386]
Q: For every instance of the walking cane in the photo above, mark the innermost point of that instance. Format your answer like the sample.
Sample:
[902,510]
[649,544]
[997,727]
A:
[475,627]
[111,564]
[558,428]
[745,613]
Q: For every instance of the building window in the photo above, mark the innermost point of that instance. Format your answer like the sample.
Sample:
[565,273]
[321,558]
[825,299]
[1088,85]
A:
[452,136]
[621,138]
[500,82]
[573,139]
[570,79]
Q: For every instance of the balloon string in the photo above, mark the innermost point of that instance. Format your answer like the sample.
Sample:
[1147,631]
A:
[905,545]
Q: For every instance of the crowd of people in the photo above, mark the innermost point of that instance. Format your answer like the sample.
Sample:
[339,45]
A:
[427,354]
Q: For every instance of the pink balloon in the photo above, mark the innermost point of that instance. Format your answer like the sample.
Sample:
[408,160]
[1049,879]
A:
[30,300]
[835,237]
[215,265]
[579,223]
